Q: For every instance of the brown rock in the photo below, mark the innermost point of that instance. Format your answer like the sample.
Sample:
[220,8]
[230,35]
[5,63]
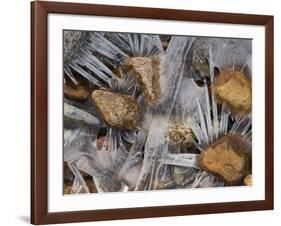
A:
[248,180]
[201,67]
[234,89]
[91,185]
[67,187]
[79,93]
[67,174]
[146,72]
[118,110]
[229,158]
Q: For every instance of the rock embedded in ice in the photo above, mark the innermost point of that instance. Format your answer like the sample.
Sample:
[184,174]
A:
[235,90]
[248,180]
[229,158]
[181,135]
[201,67]
[146,72]
[67,174]
[78,93]
[118,110]
[91,185]
[165,39]
[67,187]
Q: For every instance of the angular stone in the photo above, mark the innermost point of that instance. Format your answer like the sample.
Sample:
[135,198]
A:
[79,93]
[229,158]
[234,89]
[181,135]
[118,110]
[201,67]
[146,71]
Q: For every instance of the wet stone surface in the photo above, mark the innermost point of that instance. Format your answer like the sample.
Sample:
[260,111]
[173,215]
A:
[118,110]
[146,72]
[228,158]
[234,89]
[78,93]
[181,135]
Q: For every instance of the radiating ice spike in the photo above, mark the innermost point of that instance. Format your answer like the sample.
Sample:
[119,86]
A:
[97,63]
[186,160]
[79,181]
[202,123]
[105,47]
[85,74]
[198,134]
[157,42]
[172,74]
[223,120]
[241,124]
[136,43]
[70,75]
[208,110]
[97,72]
[214,101]
[236,123]
[246,128]
[122,41]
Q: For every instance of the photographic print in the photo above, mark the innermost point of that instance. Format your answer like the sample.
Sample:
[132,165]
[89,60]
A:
[149,112]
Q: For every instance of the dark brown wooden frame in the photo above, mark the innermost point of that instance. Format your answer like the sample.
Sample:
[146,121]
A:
[39,109]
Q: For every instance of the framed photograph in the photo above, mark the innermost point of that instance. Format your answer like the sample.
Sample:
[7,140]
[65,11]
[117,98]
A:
[146,112]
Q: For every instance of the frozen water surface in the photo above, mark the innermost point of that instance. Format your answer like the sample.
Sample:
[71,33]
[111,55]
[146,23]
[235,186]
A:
[145,157]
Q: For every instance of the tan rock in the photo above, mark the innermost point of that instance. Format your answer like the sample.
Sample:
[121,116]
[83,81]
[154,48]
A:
[248,180]
[118,110]
[79,93]
[234,89]
[146,72]
[181,135]
[229,158]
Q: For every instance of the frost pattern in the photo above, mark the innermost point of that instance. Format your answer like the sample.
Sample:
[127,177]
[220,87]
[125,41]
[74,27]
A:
[150,162]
